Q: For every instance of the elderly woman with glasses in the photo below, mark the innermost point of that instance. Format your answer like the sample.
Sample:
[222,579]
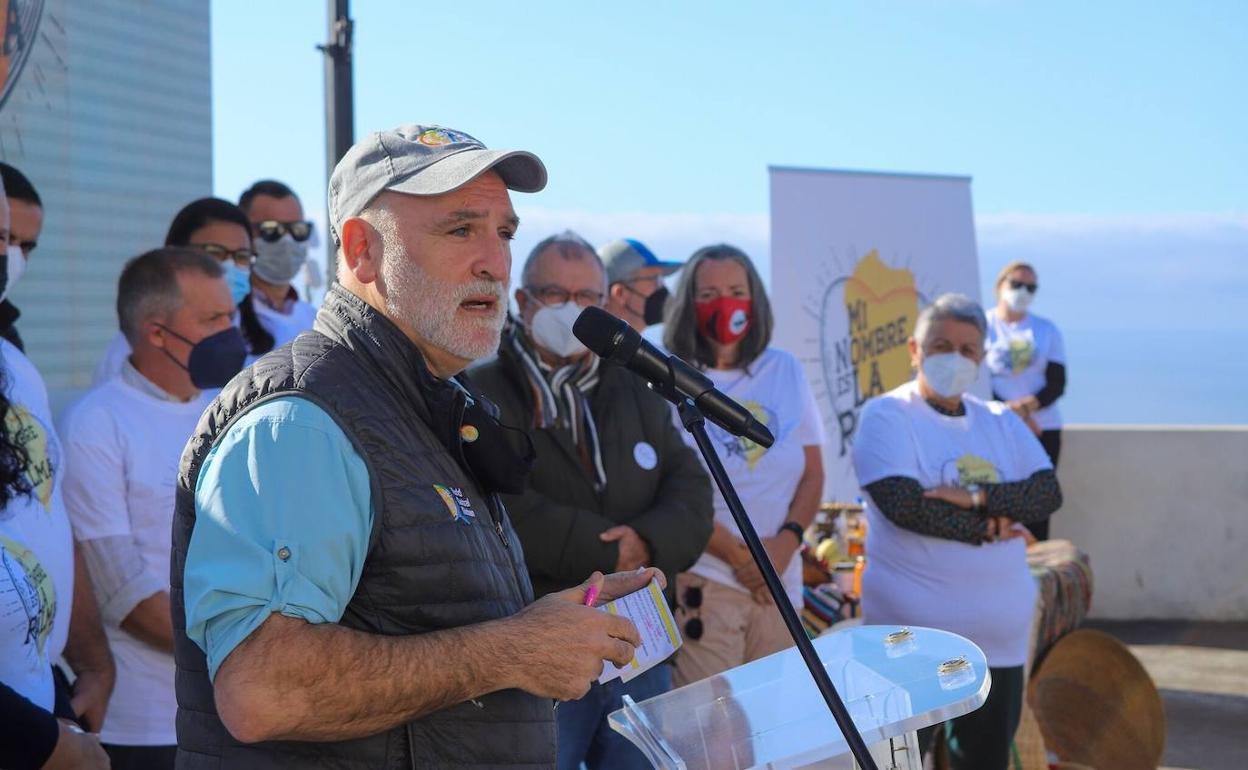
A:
[1027,361]
[720,320]
[948,478]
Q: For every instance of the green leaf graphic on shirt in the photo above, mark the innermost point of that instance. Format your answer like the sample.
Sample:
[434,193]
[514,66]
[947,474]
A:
[976,470]
[35,594]
[28,432]
[1021,352]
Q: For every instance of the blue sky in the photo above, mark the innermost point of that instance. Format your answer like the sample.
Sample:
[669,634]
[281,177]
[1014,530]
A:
[1107,141]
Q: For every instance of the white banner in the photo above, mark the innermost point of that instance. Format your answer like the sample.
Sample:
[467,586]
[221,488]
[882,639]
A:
[854,256]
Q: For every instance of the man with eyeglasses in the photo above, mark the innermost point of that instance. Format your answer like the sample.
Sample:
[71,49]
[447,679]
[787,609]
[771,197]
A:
[635,290]
[614,487]
[273,314]
[25,224]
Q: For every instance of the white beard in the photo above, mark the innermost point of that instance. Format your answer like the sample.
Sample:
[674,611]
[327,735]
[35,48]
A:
[430,306]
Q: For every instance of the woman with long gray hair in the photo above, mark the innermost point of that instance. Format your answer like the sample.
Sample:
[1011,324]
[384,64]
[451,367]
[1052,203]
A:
[720,320]
[949,482]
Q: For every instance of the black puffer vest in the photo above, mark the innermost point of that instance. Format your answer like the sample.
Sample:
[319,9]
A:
[429,567]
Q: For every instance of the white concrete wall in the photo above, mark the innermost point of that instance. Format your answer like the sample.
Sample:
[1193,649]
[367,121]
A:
[1163,514]
[111,119]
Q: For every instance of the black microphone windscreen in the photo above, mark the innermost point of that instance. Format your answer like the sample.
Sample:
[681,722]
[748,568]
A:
[599,330]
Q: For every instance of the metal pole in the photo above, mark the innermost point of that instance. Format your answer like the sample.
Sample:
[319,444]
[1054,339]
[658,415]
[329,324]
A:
[339,96]
[694,421]
[339,101]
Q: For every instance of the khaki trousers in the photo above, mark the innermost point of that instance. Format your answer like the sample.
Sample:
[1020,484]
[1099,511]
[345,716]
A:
[735,630]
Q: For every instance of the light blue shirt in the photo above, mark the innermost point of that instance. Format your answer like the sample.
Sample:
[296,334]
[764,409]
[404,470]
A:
[283,515]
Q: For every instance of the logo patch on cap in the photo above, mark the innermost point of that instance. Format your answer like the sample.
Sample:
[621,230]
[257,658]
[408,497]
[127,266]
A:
[459,506]
[436,137]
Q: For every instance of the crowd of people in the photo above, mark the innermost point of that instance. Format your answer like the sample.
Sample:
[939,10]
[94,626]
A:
[364,534]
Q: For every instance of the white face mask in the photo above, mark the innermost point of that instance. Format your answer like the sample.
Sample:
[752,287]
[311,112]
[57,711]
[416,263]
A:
[551,329]
[15,265]
[1017,300]
[950,374]
[281,261]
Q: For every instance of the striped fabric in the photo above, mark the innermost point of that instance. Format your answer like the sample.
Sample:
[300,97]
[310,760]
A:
[560,397]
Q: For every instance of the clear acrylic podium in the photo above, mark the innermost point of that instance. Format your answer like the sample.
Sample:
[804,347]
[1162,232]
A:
[768,713]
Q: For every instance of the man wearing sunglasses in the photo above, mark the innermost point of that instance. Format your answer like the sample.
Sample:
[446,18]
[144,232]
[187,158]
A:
[25,224]
[273,314]
[614,486]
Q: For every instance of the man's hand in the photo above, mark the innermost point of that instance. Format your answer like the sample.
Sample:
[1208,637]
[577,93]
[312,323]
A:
[561,643]
[745,570]
[953,495]
[365,683]
[86,651]
[780,549]
[76,750]
[91,691]
[618,584]
[634,552]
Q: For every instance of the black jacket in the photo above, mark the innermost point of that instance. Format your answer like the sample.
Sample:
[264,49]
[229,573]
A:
[429,565]
[560,516]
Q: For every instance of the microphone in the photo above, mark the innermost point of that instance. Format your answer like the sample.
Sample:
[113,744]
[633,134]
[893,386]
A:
[613,339]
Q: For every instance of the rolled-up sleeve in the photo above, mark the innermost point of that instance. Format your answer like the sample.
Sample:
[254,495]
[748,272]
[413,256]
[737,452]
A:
[283,517]
[95,497]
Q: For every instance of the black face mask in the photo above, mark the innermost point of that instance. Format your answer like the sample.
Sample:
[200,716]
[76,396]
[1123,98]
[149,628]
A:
[215,359]
[652,310]
[499,455]
[654,306]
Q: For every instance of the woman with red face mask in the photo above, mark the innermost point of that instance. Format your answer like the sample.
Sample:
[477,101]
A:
[720,320]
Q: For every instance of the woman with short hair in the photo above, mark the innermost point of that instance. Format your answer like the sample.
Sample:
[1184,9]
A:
[947,480]
[1027,361]
[720,320]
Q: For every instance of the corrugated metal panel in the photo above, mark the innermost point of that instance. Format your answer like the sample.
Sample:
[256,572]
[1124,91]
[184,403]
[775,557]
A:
[111,118]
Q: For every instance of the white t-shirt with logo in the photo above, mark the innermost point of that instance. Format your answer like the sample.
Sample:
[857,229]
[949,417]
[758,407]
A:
[1017,355]
[778,395]
[36,547]
[122,448]
[982,592]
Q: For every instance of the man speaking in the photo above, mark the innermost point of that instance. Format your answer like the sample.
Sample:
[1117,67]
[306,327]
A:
[348,591]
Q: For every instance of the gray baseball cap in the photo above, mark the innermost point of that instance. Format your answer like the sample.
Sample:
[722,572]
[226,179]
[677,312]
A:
[422,160]
[624,257]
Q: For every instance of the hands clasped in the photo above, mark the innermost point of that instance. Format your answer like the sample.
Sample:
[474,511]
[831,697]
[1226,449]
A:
[999,528]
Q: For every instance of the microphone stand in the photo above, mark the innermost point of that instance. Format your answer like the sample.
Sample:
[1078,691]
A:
[695,423]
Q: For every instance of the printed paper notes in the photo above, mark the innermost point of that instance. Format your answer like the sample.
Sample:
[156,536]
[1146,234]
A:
[659,636]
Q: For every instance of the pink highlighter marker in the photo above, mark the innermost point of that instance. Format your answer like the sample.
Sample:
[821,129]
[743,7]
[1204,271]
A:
[591,595]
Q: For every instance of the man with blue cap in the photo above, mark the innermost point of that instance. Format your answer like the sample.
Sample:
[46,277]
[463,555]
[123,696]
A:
[348,589]
[635,290]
